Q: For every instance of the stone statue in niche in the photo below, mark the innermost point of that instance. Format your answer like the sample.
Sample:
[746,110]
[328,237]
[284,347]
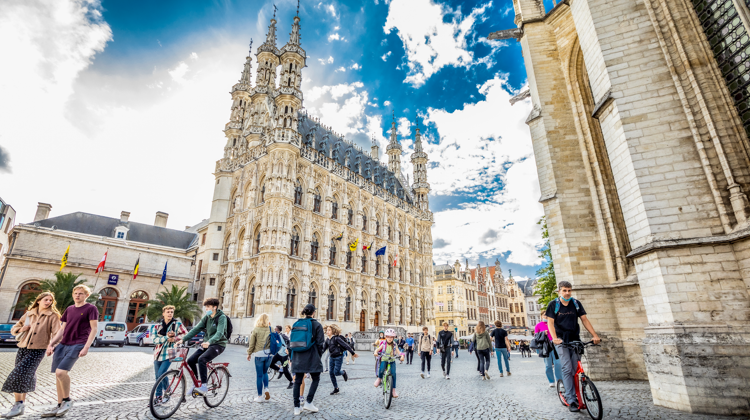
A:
[232,251]
[246,247]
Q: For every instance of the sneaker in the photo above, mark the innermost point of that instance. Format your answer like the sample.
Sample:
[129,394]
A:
[428,374]
[296,411]
[551,384]
[16,410]
[447,376]
[259,399]
[280,374]
[190,389]
[267,394]
[422,374]
[501,374]
[347,363]
[486,375]
[483,378]
[64,408]
[310,407]
[51,413]
[291,385]
[345,375]
[444,374]
[201,390]
[574,407]
[335,391]
[508,373]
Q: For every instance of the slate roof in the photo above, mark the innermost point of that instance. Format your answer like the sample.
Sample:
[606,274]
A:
[313,134]
[527,286]
[443,269]
[92,224]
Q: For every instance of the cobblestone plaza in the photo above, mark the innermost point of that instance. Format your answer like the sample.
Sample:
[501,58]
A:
[113,383]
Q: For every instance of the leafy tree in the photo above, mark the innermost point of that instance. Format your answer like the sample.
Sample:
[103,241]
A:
[185,308]
[546,282]
[62,287]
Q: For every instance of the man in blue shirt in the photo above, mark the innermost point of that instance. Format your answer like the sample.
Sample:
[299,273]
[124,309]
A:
[409,349]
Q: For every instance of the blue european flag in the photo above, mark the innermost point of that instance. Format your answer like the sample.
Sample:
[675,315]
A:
[381,251]
[164,274]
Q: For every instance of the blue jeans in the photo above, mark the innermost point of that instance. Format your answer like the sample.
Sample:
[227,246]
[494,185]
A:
[552,363]
[334,368]
[261,372]
[504,353]
[393,371]
[160,367]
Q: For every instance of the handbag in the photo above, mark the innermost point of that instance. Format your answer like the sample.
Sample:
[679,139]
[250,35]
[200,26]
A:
[26,323]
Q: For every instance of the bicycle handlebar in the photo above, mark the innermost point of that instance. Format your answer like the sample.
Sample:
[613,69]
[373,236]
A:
[579,343]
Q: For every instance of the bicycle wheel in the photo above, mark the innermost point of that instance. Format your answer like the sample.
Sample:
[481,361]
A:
[592,399]
[387,389]
[561,392]
[271,374]
[164,406]
[218,386]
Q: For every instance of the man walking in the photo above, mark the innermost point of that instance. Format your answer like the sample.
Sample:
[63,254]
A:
[502,346]
[425,350]
[77,332]
[562,319]
[409,349]
[444,345]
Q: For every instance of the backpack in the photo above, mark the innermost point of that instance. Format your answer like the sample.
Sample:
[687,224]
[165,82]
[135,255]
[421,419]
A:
[301,338]
[228,331]
[557,304]
[274,343]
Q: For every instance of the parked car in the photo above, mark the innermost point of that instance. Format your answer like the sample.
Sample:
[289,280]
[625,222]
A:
[140,335]
[110,333]
[5,336]
[197,338]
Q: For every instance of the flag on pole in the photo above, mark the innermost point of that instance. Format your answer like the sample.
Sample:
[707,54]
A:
[135,269]
[366,247]
[395,260]
[100,267]
[65,258]
[164,274]
[341,235]
[381,251]
[353,245]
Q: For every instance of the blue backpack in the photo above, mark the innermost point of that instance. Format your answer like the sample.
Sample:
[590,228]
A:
[557,305]
[301,338]
[275,343]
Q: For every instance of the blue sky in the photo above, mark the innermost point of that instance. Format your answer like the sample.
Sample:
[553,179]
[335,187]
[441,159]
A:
[120,106]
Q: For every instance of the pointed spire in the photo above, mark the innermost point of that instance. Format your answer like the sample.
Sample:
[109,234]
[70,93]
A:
[294,37]
[417,139]
[271,35]
[247,70]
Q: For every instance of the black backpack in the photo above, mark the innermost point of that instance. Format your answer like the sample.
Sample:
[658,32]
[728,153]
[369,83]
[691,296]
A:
[228,331]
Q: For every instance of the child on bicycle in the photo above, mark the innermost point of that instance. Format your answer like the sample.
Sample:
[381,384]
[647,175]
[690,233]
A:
[388,352]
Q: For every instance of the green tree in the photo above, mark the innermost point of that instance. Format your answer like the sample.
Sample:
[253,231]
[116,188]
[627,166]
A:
[546,282]
[185,308]
[62,287]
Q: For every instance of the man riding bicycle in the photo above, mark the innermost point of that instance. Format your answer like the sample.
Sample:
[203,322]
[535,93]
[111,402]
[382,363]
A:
[562,318]
[214,323]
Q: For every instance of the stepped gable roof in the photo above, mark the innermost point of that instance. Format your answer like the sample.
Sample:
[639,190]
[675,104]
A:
[337,148]
[492,272]
[92,224]
[526,286]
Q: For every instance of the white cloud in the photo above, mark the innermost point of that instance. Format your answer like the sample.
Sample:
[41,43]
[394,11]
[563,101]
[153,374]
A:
[404,127]
[385,56]
[194,55]
[335,37]
[331,9]
[430,42]
[340,69]
[355,66]
[387,104]
[178,73]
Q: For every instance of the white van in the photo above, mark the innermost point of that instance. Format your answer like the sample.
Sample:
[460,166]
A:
[110,333]
[140,335]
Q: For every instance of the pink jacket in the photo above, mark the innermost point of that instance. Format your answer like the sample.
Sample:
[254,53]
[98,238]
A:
[542,326]
[396,352]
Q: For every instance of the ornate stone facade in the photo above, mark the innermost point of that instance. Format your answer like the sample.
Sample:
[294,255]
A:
[639,126]
[291,196]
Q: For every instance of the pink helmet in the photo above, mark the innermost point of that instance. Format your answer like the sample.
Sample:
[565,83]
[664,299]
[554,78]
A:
[390,332]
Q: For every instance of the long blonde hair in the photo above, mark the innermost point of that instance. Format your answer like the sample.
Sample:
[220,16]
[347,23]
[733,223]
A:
[481,327]
[263,321]
[52,307]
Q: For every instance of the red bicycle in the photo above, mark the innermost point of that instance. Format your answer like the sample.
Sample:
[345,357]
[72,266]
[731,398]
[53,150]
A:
[588,396]
[169,391]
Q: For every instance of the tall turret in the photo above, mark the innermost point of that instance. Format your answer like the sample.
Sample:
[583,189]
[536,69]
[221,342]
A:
[289,100]
[240,108]
[419,161]
[268,59]
[394,150]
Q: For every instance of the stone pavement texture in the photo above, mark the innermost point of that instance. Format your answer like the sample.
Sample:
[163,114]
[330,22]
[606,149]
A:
[113,383]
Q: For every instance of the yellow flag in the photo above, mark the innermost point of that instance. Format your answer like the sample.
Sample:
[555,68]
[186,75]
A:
[65,258]
[353,245]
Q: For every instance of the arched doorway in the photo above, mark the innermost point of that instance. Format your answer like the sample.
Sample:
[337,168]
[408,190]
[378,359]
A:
[362,321]
[108,302]
[24,300]
[137,302]
[377,319]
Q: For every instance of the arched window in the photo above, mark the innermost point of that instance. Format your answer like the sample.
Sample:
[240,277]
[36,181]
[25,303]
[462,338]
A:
[331,311]
[108,302]
[313,298]
[138,301]
[291,300]
[390,269]
[24,298]
[257,241]
[226,249]
[348,308]
[316,201]
[263,193]
[334,210]
[364,223]
[251,301]
[350,215]
[401,273]
[314,248]
[294,247]
[348,260]
[401,312]
[364,261]
[377,227]
[390,236]
[297,193]
[332,253]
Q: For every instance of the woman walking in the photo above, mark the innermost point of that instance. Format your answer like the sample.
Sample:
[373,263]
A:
[551,362]
[165,334]
[308,361]
[33,332]
[337,346]
[483,345]
[259,347]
